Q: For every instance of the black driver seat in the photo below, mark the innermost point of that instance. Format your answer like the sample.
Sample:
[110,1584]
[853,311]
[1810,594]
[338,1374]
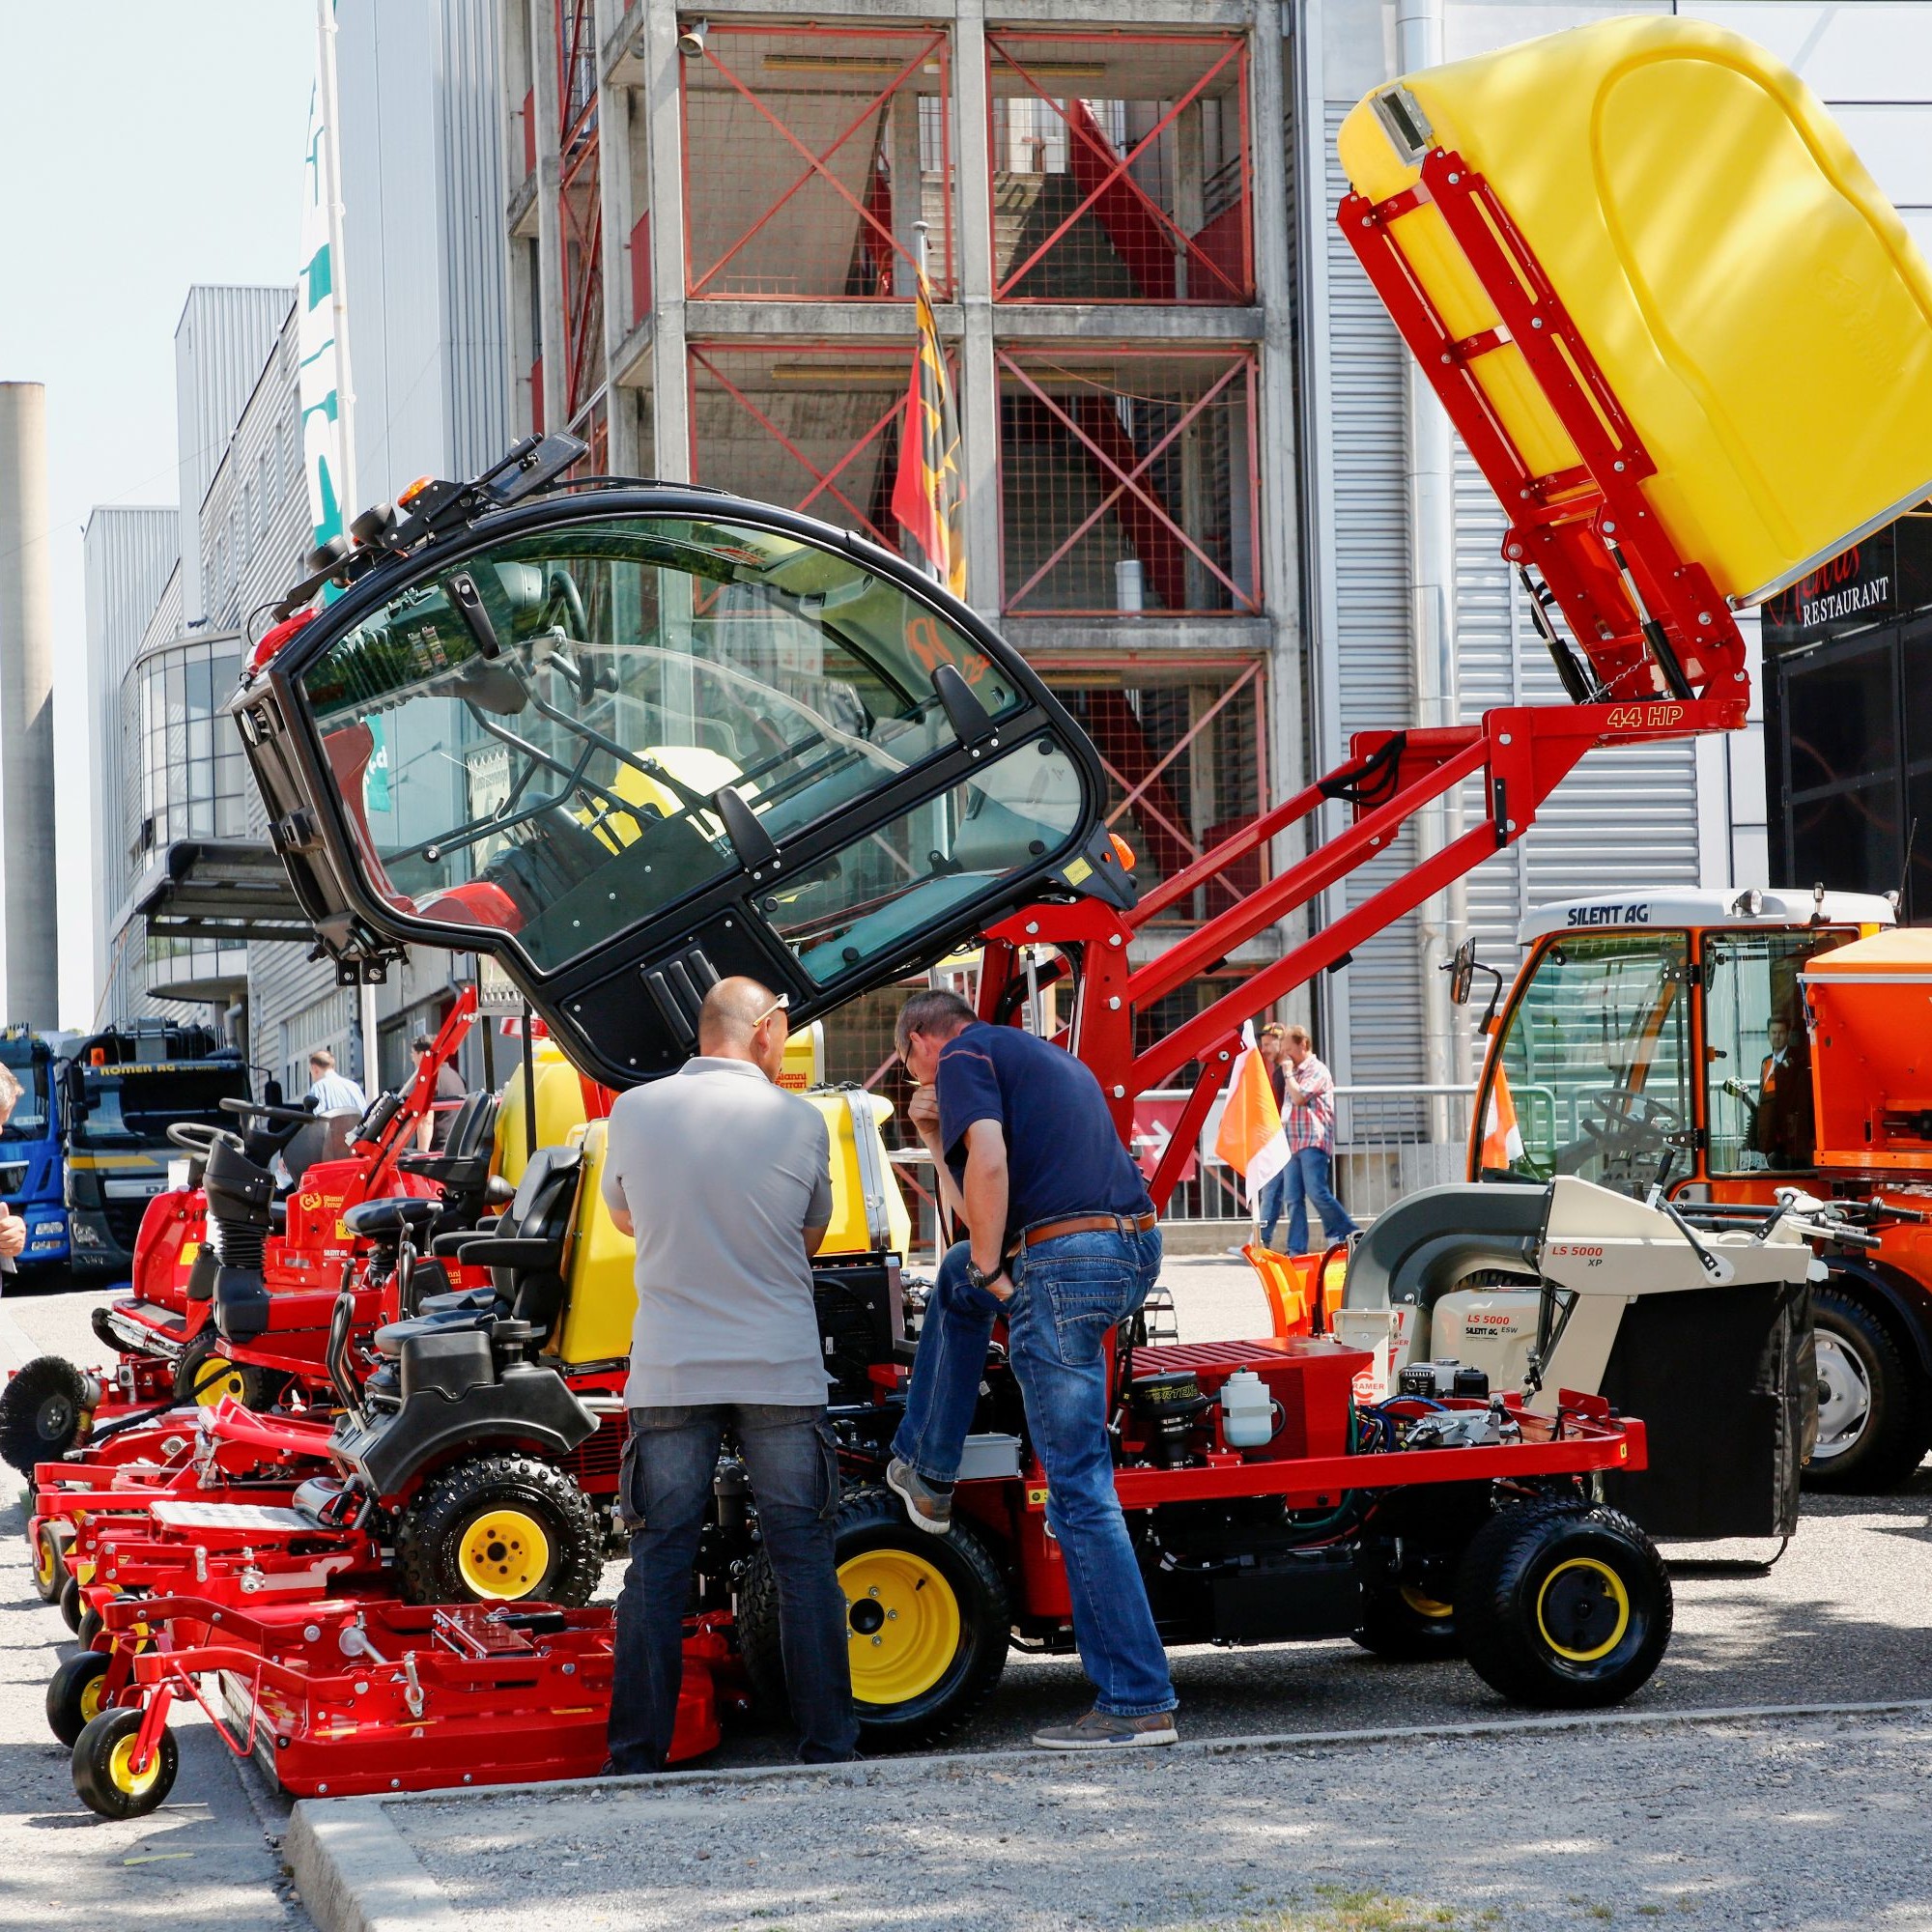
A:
[460,1166]
[525,1256]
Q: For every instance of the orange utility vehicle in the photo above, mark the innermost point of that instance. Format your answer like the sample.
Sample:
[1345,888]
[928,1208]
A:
[1778,1039]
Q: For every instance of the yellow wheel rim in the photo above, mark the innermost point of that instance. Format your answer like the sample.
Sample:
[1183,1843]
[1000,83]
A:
[1579,1599]
[902,1624]
[121,1771]
[1425,1605]
[216,1379]
[504,1554]
[44,1561]
[90,1698]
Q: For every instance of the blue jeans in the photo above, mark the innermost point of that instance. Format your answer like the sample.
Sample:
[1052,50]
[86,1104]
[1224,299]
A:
[669,1465]
[1303,1180]
[1068,1293]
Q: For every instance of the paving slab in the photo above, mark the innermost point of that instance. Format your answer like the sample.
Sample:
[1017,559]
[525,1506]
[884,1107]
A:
[1814,1823]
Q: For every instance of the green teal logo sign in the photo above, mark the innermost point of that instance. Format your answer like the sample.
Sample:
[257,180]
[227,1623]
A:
[322,334]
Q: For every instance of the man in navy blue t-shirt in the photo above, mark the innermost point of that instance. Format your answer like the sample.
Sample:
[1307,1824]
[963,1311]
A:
[1061,1242]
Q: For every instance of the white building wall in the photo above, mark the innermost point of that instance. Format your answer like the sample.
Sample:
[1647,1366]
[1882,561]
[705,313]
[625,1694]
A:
[423,241]
[128,555]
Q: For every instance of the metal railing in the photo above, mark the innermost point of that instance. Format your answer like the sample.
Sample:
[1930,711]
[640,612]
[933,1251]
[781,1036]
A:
[1389,1141]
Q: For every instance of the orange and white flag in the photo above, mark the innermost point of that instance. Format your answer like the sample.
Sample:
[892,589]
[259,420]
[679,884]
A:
[1502,1138]
[1250,1139]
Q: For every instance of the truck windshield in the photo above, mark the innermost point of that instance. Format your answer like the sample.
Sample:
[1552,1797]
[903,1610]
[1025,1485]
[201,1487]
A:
[1757,1052]
[27,1061]
[126,1107]
[535,738]
[1593,1062]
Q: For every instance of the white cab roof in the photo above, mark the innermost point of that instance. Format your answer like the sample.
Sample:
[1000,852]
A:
[1677,906]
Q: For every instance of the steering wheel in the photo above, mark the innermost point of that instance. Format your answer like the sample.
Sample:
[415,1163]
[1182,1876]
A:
[1629,1123]
[262,1111]
[197,1138]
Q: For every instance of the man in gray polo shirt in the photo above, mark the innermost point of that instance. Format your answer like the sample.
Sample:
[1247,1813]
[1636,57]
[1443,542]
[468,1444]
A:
[726,1180]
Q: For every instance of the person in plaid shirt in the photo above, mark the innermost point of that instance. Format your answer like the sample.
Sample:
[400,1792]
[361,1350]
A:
[1308,1120]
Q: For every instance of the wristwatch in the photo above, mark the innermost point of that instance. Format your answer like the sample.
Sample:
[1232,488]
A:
[984,1277]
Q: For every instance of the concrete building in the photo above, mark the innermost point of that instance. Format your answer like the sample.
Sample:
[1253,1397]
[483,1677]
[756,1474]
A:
[29,931]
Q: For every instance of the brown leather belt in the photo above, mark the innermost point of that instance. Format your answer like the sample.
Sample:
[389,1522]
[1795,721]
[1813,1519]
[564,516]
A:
[1088,1224]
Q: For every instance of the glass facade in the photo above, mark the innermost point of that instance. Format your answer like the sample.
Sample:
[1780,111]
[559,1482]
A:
[183,776]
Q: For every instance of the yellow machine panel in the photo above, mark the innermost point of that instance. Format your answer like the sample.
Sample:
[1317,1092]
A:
[560,1111]
[869,1213]
[601,1292]
[1751,298]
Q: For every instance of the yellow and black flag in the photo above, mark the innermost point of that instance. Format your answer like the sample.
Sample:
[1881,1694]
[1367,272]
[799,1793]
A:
[926,494]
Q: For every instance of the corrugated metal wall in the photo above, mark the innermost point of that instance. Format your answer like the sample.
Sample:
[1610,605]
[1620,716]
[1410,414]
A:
[1377,1000]
[1622,819]
[472,186]
[129,556]
[220,343]
[423,239]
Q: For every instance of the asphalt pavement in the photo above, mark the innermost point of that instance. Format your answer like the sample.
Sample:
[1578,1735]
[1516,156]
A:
[1843,1618]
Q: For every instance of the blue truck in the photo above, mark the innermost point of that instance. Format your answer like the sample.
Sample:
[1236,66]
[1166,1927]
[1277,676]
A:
[33,1175]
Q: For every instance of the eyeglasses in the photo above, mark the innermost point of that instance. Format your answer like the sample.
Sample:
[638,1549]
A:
[782,1004]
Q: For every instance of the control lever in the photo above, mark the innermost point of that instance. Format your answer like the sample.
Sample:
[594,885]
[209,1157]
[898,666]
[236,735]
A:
[1666,1161]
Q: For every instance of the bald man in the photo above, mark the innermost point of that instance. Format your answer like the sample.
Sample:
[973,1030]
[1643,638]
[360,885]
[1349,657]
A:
[726,1180]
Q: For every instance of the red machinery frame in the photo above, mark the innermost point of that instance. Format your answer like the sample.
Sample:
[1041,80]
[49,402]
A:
[1656,655]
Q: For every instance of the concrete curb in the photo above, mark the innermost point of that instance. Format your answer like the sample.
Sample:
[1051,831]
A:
[353,1872]
[356,1873]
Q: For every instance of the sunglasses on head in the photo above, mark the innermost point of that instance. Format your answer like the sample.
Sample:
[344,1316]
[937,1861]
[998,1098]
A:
[782,1004]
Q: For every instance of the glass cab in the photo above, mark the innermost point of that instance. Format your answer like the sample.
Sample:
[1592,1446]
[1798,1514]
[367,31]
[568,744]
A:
[1613,1040]
[630,740]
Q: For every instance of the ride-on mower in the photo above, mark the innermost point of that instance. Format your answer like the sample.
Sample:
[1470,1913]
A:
[693,736]
[234,1301]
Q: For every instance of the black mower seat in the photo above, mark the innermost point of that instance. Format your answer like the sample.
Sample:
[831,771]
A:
[483,1319]
[393,1215]
[459,1301]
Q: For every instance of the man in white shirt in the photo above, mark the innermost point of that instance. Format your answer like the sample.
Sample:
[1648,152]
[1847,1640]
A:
[331,1092]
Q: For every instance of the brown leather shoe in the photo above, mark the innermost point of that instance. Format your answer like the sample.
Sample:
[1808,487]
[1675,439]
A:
[926,1508]
[1102,1730]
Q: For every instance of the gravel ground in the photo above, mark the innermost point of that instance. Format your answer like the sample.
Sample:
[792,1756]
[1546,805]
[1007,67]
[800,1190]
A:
[1452,1823]
[1813,1824]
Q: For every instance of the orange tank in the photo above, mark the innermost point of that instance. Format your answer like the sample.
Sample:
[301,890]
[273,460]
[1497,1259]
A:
[1869,1008]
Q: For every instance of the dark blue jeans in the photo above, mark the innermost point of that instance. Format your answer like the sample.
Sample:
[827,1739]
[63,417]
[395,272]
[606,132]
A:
[668,1468]
[1067,1292]
[1303,1180]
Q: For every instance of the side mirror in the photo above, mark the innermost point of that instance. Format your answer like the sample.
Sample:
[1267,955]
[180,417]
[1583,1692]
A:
[73,1088]
[1462,973]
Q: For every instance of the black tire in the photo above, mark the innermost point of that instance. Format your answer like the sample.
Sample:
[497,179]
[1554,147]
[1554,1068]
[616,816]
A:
[1404,1623]
[90,1627]
[1872,1430]
[50,1563]
[872,1534]
[72,1609]
[74,1695]
[205,1374]
[499,1528]
[1563,1609]
[42,1410]
[101,1773]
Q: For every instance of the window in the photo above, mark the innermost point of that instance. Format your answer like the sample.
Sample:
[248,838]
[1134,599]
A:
[1119,167]
[1181,745]
[1127,481]
[812,153]
[1595,1060]
[1757,1050]
[554,768]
